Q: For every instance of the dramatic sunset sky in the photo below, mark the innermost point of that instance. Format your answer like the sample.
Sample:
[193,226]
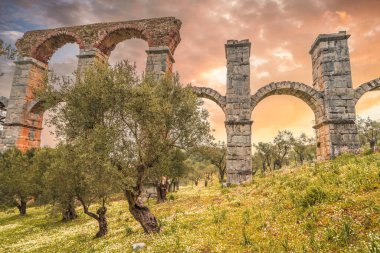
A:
[281,33]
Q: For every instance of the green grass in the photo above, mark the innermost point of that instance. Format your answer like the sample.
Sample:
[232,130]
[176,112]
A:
[328,207]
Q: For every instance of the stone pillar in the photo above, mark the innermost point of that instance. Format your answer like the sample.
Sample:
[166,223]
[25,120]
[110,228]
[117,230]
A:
[336,129]
[159,61]
[238,113]
[88,56]
[22,127]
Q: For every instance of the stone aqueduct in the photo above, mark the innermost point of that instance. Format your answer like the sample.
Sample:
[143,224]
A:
[331,97]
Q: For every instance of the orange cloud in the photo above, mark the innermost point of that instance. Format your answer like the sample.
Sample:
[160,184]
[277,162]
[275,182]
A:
[344,17]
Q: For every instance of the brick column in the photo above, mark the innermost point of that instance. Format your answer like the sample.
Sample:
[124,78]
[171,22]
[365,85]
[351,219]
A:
[238,113]
[336,129]
[88,56]
[22,127]
[159,60]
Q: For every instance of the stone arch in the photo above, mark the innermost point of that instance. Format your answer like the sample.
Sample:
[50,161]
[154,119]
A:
[36,48]
[366,87]
[45,48]
[310,96]
[110,38]
[211,94]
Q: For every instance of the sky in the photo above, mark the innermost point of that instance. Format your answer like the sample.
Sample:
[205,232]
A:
[281,33]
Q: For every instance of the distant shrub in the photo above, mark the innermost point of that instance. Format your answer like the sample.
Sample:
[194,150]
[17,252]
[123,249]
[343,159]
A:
[218,216]
[129,230]
[285,244]
[331,234]
[314,195]
[161,222]
[171,197]
[246,217]
[225,190]
[346,233]
[246,241]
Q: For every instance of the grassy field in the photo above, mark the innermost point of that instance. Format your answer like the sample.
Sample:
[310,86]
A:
[329,207]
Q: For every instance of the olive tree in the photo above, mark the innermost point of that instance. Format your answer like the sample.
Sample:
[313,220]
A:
[196,170]
[18,179]
[167,172]
[369,132]
[81,171]
[7,52]
[304,148]
[216,155]
[266,153]
[283,143]
[143,119]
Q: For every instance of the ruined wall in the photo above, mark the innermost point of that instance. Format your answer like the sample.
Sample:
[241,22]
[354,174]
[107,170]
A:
[41,44]
[23,123]
[331,98]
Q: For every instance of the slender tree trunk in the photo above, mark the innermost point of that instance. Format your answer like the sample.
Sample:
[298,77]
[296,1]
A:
[263,167]
[372,144]
[22,207]
[100,217]
[221,175]
[102,220]
[142,213]
[206,182]
[176,185]
[171,186]
[196,182]
[161,189]
[277,164]
[69,212]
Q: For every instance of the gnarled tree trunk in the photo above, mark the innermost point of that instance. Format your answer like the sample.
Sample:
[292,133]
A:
[161,189]
[100,216]
[69,212]
[21,206]
[142,213]
[102,220]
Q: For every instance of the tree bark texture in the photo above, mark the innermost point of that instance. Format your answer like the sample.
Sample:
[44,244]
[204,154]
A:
[142,213]
[100,216]
[161,189]
[102,220]
[22,207]
[372,144]
[69,212]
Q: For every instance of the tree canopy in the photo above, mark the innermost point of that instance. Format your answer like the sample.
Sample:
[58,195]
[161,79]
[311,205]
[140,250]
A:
[137,123]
